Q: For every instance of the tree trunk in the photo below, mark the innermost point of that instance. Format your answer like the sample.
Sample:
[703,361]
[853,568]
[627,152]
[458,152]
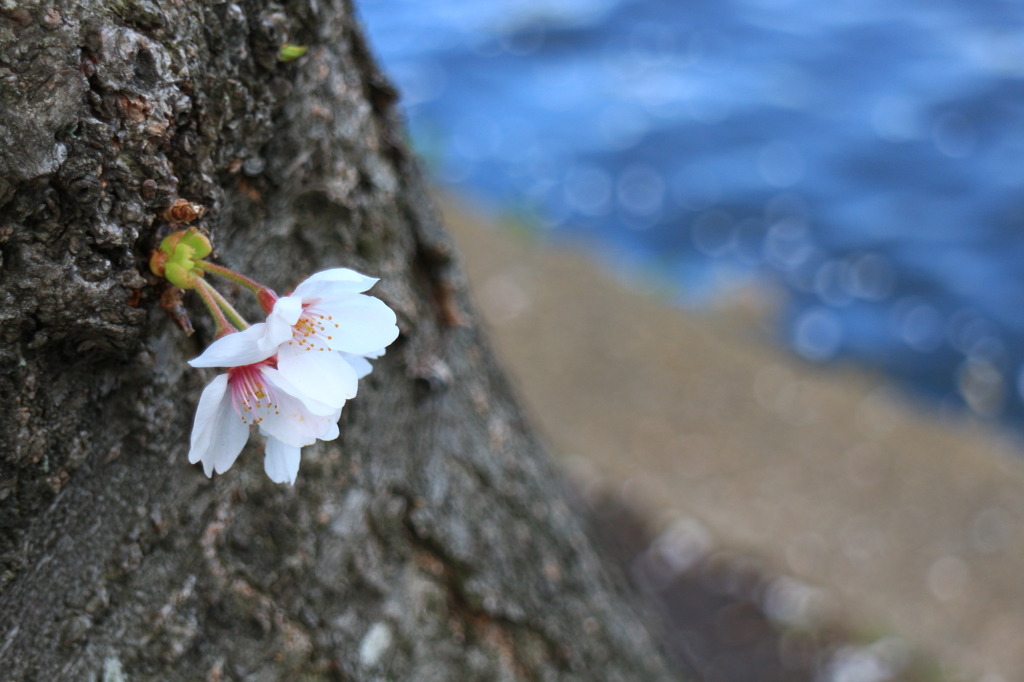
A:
[431,541]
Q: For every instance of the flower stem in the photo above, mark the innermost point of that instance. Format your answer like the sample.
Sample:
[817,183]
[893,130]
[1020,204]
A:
[249,284]
[236,318]
[223,326]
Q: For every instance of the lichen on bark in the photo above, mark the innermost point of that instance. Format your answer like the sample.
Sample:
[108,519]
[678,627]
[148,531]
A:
[430,541]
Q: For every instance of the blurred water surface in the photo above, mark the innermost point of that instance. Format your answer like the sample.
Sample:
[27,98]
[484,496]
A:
[867,155]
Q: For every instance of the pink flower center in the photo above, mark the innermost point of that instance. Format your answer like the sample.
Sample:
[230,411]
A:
[311,330]
[251,394]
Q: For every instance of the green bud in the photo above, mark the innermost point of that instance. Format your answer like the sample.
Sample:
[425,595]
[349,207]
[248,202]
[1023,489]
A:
[170,241]
[183,255]
[176,258]
[291,52]
[199,243]
[157,259]
[177,275]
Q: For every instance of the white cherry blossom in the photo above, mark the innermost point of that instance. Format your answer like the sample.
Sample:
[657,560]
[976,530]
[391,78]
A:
[258,394]
[322,334]
[292,374]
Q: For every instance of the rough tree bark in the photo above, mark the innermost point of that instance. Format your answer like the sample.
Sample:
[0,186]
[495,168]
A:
[429,542]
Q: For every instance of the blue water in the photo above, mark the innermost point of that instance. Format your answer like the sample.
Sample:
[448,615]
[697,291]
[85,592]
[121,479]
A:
[867,155]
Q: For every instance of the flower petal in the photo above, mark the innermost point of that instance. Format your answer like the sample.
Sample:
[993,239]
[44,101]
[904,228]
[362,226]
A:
[281,382]
[364,324]
[322,375]
[332,431]
[359,363]
[218,434]
[345,279]
[235,350]
[281,461]
[291,421]
[280,322]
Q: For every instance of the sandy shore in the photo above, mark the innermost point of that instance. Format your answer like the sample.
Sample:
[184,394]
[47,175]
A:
[897,520]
